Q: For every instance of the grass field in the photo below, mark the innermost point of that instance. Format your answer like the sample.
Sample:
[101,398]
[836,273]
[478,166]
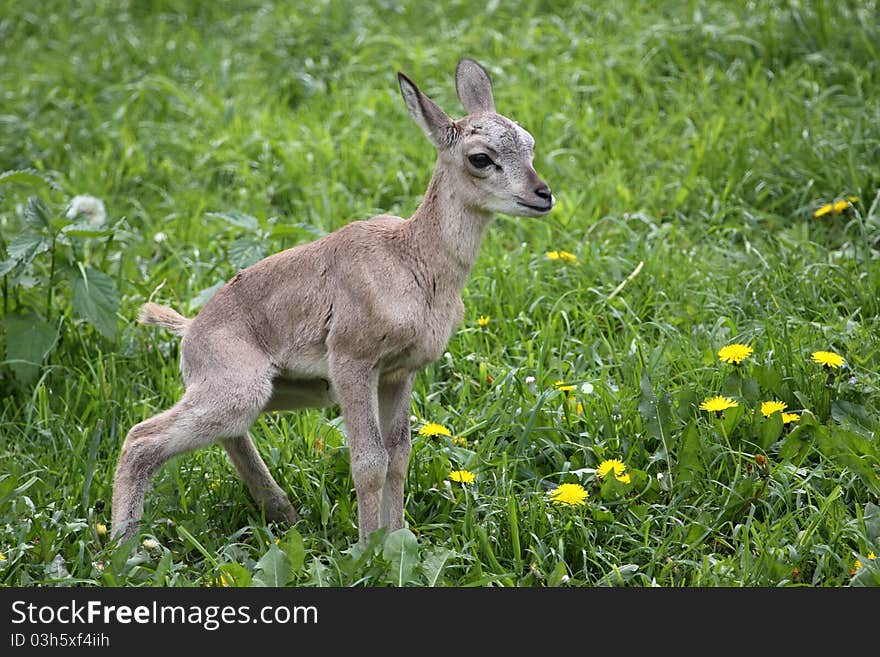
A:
[694,149]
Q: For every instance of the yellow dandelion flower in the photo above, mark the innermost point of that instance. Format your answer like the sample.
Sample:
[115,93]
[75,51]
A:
[101,529]
[433,429]
[871,556]
[828,208]
[462,476]
[580,409]
[561,385]
[837,207]
[569,494]
[624,478]
[718,404]
[827,359]
[565,256]
[790,417]
[734,353]
[768,408]
[857,564]
[615,465]
[2,557]
[483,321]
[459,441]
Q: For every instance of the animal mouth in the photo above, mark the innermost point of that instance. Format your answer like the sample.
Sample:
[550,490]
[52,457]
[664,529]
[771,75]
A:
[537,208]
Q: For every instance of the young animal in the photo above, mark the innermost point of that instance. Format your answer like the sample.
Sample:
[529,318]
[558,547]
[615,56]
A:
[348,319]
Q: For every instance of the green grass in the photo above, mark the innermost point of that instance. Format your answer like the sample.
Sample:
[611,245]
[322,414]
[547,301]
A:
[688,145]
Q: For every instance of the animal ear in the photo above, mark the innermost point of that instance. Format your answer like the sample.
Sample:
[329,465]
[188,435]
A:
[430,118]
[474,86]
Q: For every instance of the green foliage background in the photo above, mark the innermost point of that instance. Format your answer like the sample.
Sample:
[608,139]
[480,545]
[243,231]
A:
[688,145]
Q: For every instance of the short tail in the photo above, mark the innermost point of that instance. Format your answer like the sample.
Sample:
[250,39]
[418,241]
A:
[155,315]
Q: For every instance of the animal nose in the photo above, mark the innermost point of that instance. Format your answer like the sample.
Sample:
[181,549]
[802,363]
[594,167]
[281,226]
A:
[543,192]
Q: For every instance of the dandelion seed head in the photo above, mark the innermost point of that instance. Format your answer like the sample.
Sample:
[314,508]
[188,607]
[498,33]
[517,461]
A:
[90,207]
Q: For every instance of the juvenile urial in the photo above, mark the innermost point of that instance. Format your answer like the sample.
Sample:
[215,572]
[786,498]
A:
[348,319]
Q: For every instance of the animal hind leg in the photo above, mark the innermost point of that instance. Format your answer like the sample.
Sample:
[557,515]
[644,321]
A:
[204,415]
[262,486]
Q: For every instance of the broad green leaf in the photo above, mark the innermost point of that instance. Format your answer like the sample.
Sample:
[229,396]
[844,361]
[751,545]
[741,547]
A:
[559,574]
[22,249]
[602,515]
[401,550]
[732,385]
[855,417]
[619,575]
[236,218]
[245,251]
[36,214]
[318,573]
[162,568]
[797,444]
[293,546]
[769,378]
[26,177]
[28,341]
[867,575]
[742,493]
[96,299]
[655,411]
[687,401]
[80,230]
[871,517]
[8,488]
[689,462]
[57,569]
[205,295]
[732,417]
[434,564]
[273,568]
[612,488]
[770,430]
[853,451]
[750,392]
[234,575]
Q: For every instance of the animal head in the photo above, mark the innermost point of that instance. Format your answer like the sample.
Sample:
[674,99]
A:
[489,154]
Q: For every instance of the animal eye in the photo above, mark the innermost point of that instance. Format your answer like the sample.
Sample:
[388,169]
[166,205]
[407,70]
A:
[480,160]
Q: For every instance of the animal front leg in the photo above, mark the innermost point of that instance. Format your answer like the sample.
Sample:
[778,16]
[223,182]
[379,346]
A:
[355,383]
[394,406]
